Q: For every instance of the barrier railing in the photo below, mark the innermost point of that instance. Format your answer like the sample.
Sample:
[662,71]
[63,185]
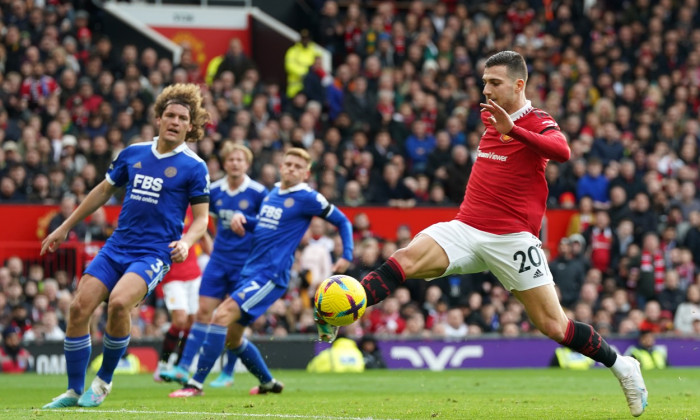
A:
[71,257]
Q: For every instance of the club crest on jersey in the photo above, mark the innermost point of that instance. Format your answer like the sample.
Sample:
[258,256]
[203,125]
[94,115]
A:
[506,138]
[289,202]
[243,204]
[170,171]
[137,165]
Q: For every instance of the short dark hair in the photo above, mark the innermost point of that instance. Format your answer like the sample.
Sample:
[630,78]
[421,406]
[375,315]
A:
[514,62]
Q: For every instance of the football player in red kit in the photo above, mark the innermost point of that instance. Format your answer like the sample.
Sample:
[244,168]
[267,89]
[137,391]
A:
[499,220]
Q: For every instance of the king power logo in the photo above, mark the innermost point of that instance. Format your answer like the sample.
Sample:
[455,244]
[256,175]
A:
[449,356]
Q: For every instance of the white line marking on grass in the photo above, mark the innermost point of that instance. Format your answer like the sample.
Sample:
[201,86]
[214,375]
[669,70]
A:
[191,413]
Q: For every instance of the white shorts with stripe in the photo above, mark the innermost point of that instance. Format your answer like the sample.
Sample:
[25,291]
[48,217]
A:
[516,259]
[182,295]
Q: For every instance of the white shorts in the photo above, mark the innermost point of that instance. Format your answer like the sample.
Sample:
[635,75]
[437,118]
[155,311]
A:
[516,259]
[182,295]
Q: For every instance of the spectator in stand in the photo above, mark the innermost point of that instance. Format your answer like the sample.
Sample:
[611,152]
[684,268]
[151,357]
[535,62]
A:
[600,237]
[607,147]
[568,273]
[629,178]
[68,204]
[386,319]
[419,145]
[13,357]
[644,217]
[594,184]
[583,219]
[672,295]
[234,60]
[654,319]
[392,190]
[297,61]
[688,200]
[688,311]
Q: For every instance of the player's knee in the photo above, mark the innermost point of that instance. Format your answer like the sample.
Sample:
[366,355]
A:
[226,313]
[554,330]
[179,320]
[78,313]
[118,306]
[404,259]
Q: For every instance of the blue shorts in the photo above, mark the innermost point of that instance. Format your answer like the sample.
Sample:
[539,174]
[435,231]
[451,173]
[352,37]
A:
[254,296]
[111,264]
[219,280]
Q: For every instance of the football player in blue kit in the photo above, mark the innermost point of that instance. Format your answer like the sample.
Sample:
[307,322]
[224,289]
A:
[235,193]
[283,219]
[162,178]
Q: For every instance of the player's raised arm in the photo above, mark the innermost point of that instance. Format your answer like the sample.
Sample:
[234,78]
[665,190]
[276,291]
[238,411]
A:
[339,220]
[550,143]
[94,200]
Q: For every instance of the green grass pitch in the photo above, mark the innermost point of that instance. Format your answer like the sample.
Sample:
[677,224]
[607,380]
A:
[455,394]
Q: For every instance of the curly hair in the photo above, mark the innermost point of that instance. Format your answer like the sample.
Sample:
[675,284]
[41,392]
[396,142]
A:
[189,96]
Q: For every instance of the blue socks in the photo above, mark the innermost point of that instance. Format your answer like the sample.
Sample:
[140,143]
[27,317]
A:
[114,349]
[231,358]
[77,351]
[252,359]
[211,351]
[194,342]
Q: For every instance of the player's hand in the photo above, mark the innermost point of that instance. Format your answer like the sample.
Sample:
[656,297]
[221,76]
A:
[340,266]
[499,117]
[51,242]
[237,222]
[180,251]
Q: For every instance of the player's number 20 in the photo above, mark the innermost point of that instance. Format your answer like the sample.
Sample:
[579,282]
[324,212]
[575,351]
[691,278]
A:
[532,255]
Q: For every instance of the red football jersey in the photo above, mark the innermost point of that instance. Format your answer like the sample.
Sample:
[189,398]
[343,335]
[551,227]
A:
[188,269]
[507,190]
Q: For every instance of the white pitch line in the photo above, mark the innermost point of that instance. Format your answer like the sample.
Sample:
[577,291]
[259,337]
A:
[191,413]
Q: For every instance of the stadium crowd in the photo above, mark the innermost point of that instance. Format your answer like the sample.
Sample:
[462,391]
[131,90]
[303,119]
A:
[395,123]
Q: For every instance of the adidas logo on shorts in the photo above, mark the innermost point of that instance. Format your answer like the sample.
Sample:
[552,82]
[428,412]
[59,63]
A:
[537,274]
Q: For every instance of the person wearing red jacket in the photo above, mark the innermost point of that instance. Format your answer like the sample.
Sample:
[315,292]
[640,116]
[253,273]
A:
[13,358]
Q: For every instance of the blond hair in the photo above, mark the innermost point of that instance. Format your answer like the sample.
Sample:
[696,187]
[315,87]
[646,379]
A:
[230,147]
[299,152]
[189,96]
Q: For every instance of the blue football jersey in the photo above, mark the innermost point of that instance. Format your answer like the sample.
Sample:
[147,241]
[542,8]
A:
[228,246]
[159,187]
[282,221]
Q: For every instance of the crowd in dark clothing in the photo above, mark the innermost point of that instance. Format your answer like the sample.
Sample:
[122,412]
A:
[396,122]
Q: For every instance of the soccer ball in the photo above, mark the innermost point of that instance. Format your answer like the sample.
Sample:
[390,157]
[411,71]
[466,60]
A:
[340,300]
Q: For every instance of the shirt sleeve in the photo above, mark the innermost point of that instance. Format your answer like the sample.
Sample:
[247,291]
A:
[550,143]
[199,188]
[118,171]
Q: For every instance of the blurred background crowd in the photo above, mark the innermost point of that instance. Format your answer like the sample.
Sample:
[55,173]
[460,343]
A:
[395,122]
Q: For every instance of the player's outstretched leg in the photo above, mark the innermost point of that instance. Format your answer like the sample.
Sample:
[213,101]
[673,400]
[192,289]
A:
[225,378]
[586,340]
